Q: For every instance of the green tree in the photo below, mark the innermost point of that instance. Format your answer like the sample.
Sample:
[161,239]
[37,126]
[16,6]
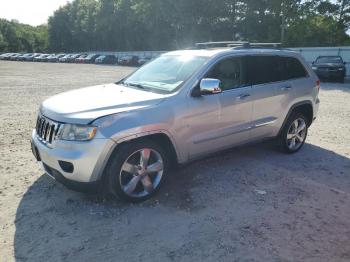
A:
[166,24]
[17,37]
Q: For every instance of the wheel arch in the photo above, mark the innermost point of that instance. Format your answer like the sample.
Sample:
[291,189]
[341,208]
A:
[160,137]
[304,107]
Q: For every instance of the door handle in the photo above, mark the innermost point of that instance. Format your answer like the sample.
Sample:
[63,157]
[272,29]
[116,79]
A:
[243,96]
[286,88]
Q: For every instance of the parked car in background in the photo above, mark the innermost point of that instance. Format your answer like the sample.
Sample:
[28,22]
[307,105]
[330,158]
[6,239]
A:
[14,57]
[55,58]
[71,58]
[50,57]
[143,60]
[31,57]
[330,68]
[129,60]
[90,59]
[8,57]
[41,58]
[106,59]
[80,59]
[5,56]
[23,57]
[64,59]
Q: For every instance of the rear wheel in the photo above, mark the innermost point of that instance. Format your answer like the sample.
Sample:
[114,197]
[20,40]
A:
[294,133]
[137,170]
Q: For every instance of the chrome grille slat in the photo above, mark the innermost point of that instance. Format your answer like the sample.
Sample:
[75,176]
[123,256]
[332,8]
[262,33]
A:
[52,128]
[46,129]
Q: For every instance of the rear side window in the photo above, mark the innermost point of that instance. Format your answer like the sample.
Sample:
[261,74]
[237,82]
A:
[264,69]
[269,69]
[294,69]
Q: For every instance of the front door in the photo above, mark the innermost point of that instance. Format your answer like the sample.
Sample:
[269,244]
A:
[219,121]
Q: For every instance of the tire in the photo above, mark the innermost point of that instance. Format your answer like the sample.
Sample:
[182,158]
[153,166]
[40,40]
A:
[130,178]
[285,138]
[341,80]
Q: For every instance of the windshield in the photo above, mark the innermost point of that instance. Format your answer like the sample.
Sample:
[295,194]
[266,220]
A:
[329,59]
[165,73]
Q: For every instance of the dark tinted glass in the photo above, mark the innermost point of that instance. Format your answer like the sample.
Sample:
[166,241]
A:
[294,69]
[269,69]
[264,69]
[329,59]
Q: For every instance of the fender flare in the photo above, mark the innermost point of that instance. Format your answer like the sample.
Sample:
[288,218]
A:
[99,174]
[291,109]
[149,133]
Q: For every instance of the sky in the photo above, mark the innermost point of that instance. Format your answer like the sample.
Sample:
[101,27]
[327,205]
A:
[33,12]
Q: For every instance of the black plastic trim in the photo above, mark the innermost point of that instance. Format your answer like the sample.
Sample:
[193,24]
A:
[306,102]
[86,187]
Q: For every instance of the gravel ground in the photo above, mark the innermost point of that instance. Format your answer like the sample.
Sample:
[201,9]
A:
[248,204]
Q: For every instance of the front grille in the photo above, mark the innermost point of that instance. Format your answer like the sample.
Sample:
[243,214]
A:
[328,69]
[46,129]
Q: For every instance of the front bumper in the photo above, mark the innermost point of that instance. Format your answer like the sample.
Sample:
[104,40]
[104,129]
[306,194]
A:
[88,159]
[330,73]
[91,187]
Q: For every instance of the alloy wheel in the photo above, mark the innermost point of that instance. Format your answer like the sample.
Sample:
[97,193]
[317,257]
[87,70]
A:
[141,173]
[296,134]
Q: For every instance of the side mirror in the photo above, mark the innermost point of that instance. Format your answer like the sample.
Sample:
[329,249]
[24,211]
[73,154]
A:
[210,86]
[313,62]
[344,63]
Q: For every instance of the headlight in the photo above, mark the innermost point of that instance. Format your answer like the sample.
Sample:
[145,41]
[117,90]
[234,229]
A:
[340,68]
[77,132]
[314,68]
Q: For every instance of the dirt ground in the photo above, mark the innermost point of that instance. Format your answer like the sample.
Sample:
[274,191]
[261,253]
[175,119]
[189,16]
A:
[248,204]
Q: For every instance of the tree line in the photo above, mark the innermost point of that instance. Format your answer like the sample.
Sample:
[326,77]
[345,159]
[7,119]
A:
[123,25]
[17,37]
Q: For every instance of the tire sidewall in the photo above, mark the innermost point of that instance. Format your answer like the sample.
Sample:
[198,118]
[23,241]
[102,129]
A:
[117,160]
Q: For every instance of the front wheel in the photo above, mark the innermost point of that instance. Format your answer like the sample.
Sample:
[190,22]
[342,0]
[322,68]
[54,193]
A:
[137,170]
[294,133]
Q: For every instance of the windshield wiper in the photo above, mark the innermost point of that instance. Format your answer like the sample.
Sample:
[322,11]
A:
[135,85]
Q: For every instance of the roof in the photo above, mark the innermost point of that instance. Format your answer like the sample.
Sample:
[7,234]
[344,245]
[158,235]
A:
[215,51]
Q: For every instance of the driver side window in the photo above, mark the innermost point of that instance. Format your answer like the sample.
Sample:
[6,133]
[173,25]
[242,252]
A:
[229,72]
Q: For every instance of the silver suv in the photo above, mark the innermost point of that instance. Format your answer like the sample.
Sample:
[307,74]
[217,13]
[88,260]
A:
[124,137]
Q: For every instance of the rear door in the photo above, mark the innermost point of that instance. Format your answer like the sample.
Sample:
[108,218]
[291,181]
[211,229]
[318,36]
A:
[271,93]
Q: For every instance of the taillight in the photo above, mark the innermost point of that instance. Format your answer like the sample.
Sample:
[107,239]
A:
[318,84]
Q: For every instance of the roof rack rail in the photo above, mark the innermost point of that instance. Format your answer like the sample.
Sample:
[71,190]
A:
[219,44]
[237,45]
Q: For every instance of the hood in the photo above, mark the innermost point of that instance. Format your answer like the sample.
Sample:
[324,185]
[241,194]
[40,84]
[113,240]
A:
[82,106]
